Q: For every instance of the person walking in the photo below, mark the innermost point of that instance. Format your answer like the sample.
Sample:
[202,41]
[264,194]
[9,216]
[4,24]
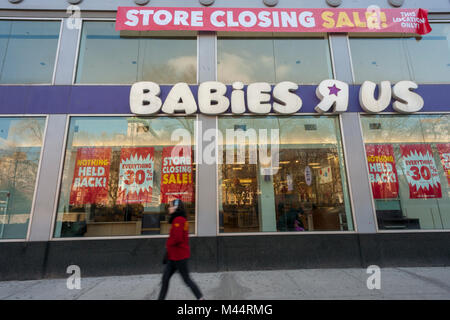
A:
[178,251]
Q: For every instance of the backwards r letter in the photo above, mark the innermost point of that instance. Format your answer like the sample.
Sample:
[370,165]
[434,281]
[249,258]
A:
[333,94]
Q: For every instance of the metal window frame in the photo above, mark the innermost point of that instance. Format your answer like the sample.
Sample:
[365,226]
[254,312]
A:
[331,53]
[61,172]
[378,230]
[55,63]
[280,233]
[33,201]
[77,57]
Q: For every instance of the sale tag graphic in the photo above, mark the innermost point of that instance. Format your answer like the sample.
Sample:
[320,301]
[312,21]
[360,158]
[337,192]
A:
[135,175]
[382,171]
[421,172]
[91,176]
[176,176]
[444,154]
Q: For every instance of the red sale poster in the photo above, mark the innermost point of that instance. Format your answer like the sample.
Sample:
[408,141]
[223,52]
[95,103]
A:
[135,175]
[421,172]
[444,154]
[176,175]
[91,175]
[382,171]
[273,19]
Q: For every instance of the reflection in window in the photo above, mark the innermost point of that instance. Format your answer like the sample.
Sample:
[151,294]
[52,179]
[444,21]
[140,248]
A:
[306,192]
[28,51]
[20,149]
[301,60]
[409,169]
[424,59]
[120,173]
[136,57]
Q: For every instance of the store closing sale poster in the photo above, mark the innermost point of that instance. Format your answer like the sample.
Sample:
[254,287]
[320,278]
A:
[136,175]
[177,174]
[91,176]
[382,172]
[421,171]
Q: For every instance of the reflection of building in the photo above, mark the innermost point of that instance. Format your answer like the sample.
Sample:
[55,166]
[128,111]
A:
[240,218]
[136,126]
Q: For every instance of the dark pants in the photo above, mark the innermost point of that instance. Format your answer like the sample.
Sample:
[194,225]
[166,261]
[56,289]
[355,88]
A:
[171,267]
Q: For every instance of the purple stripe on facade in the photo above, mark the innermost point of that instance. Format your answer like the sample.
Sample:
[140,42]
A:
[115,99]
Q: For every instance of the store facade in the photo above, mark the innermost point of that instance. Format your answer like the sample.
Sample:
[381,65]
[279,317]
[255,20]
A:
[290,149]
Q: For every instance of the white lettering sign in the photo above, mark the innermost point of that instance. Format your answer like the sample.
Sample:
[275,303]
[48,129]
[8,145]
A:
[260,98]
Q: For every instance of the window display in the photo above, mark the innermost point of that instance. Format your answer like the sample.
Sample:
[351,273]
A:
[408,160]
[306,189]
[120,174]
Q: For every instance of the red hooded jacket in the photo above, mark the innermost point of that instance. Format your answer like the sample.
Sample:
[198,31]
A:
[178,243]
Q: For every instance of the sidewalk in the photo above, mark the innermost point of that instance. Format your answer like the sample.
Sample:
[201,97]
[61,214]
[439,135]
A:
[396,283]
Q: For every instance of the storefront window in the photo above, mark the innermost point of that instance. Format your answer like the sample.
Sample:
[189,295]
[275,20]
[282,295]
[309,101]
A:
[296,183]
[301,60]
[424,59]
[137,56]
[28,51]
[409,170]
[20,150]
[121,172]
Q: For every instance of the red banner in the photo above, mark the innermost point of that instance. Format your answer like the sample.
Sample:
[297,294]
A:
[273,20]
[421,172]
[382,171]
[135,175]
[444,154]
[91,176]
[177,174]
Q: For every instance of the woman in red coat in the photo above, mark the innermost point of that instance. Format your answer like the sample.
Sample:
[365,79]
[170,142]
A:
[178,251]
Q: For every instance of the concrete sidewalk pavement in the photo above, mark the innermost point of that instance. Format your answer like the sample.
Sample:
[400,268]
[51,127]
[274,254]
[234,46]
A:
[396,283]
